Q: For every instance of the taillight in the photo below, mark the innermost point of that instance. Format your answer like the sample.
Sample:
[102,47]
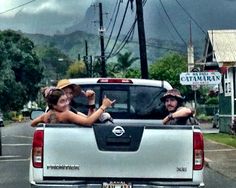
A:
[198,151]
[114,80]
[37,149]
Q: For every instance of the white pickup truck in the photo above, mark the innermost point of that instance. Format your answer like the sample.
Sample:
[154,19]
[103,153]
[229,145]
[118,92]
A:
[136,150]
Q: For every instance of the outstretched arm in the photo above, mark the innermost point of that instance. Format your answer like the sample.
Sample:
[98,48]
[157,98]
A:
[88,121]
[180,112]
[37,120]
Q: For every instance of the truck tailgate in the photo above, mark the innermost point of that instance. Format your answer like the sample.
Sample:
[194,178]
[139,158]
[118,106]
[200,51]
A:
[134,152]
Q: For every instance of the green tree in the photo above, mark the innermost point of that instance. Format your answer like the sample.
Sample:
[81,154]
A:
[56,63]
[133,73]
[169,69]
[20,71]
[124,62]
[77,70]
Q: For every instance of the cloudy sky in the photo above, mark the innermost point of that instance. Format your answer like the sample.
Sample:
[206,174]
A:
[50,16]
[41,16]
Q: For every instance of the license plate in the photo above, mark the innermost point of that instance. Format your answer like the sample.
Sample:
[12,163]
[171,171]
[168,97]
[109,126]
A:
[116,184]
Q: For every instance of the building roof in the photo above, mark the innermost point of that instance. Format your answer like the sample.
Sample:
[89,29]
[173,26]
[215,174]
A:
[224,45]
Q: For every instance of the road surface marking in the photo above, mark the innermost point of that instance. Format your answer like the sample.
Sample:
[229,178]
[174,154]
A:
[15,158]
[9,156]
[207,160]
[218,150]
[16,144]
[16,136]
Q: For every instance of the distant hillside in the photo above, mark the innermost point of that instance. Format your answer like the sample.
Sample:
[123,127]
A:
[71,44]
[74,43]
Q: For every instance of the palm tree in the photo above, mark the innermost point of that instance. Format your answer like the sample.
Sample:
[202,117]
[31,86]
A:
[124,62]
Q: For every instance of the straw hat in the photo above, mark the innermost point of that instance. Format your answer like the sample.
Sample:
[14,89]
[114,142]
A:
[173,93]
[66,83]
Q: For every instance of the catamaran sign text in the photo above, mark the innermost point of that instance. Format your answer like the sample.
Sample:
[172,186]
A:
[200,78]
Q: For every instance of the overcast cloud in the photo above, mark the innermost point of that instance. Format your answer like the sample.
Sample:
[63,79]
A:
[51,16]
[42,16]
[39,6]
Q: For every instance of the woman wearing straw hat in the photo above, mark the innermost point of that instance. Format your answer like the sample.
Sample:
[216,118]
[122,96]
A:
[178,114]
[71,90]
[59,112]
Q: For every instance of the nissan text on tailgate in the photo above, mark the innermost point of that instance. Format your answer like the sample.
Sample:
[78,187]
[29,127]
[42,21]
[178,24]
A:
[135,150]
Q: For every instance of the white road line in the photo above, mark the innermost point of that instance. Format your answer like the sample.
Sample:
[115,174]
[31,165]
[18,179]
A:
[208,160]
[16,144]
[16,136]
[10,158]
[13,160]
[219,150]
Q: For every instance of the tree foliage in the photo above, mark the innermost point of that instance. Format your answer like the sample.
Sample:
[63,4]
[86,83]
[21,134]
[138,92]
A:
[55,62]
[77,70]
[169,69]
[133,73]
[124,63]
[20,71]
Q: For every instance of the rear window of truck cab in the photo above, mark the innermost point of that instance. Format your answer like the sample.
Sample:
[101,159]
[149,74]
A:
[132,101]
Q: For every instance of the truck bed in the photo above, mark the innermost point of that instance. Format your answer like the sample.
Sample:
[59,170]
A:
[156,151]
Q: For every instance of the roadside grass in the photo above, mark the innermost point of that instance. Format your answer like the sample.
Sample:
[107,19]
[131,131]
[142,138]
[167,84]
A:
[222,138]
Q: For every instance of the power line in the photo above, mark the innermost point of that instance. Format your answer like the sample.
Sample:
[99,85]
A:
[113,12]
[11,9]
[191,17]
[127,36]
[164,22]
[125,40]
[165,48]
[172,23]
[113,26]
[121,25]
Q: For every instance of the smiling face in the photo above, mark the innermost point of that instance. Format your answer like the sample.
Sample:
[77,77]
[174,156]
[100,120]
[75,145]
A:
[62,104]
[171,104]
[69,93]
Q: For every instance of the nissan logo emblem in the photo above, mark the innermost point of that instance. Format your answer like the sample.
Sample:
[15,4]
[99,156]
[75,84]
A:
[118,131]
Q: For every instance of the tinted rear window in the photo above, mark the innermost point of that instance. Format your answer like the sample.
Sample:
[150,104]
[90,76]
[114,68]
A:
[132,101]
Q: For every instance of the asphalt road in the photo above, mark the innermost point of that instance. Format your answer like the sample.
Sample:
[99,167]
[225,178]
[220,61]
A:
[14,164]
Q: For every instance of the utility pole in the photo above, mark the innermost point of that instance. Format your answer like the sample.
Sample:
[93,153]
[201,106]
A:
[91,65]
[190,50]
[86,57]
[142,40]
[101,32]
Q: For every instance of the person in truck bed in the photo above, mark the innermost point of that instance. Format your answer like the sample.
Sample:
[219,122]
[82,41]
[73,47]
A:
[59,112]
[71,90]
[178,113]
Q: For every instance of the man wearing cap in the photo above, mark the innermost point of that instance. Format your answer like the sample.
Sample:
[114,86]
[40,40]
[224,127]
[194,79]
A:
[178,114]
[71,90]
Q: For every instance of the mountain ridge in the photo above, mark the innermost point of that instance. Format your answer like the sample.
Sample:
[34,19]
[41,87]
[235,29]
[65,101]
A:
[73,44]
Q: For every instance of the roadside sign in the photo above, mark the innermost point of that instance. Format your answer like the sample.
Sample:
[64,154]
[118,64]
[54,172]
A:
[200,78]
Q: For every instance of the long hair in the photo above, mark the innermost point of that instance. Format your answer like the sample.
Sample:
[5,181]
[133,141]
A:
[52,95]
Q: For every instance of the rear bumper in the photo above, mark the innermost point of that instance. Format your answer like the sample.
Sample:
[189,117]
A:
[99,185]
